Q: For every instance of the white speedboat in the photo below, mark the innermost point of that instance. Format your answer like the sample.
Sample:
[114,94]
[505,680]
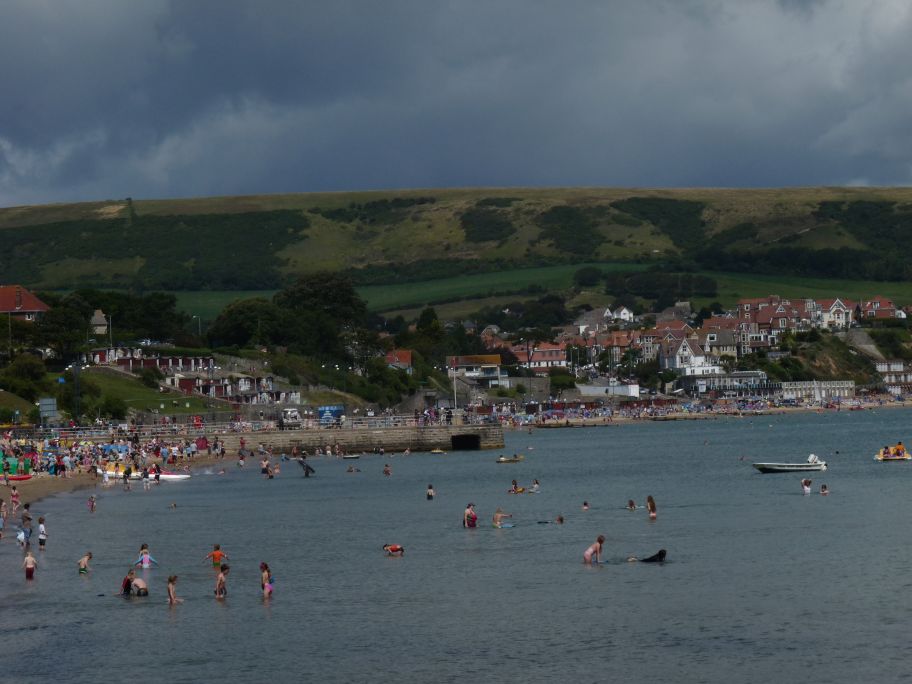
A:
[790,467]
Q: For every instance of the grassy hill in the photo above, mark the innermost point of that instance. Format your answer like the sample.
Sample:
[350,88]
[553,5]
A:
[261,242]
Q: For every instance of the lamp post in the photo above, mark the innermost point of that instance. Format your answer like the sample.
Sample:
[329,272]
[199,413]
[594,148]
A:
[199,326]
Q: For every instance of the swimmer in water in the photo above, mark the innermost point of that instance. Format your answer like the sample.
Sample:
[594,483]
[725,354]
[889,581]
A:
[594,551]
[658,557]
[499,516]
[631,505]
[806,486]
[84,564]
[394,550]
[387,470]
[430,492]
[536,486]
[172,595]
[91,503]
[651,507]
[585,505]
[145,558]
[824,490]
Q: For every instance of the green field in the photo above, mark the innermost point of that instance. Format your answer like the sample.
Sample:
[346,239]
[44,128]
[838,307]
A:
[138,396]
[459,297]
[14,402]
[207,304]
[735,286]
[411,295]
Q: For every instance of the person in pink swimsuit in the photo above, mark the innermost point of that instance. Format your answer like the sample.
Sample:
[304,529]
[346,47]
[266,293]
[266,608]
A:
[594,550]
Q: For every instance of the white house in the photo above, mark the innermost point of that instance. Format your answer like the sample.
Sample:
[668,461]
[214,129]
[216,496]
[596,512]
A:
[622,313]
[685,357]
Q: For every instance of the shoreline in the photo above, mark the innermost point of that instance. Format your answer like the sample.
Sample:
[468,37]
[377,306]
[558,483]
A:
[45,485]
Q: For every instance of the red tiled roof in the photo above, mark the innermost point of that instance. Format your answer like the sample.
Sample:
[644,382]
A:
[16,299]
[400,356]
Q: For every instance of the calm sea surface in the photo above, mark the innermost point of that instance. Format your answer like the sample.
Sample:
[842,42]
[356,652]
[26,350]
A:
[762,583]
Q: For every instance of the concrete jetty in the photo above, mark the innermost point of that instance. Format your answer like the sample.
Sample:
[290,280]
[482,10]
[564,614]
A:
[416,438]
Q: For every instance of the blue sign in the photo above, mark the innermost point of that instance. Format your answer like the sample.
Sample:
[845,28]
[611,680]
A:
[331,413]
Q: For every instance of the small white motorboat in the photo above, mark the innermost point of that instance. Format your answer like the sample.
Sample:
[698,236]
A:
[812,464]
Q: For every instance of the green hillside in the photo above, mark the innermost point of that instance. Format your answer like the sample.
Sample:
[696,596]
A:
[261,242]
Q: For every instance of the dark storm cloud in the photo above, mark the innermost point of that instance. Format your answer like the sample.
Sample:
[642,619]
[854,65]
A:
[153,98]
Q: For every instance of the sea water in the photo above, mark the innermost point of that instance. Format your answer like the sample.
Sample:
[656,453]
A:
[761,583]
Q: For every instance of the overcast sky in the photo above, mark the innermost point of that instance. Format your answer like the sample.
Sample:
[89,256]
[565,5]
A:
[149,98]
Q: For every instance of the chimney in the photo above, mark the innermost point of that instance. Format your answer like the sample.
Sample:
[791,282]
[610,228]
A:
[18,297]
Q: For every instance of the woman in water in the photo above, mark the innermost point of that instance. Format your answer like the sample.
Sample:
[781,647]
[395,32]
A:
[265,579]
[535,486]
[806,486]
[469,517]
[430,492]
[824,490]
[595,550]
[172,596]
[585,505]
[499,516]
[651,507]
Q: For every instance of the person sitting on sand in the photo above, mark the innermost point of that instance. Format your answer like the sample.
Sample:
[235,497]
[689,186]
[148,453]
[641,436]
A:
[394,550]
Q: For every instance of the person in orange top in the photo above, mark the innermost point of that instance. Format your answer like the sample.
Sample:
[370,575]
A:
[217,556]
[394,550]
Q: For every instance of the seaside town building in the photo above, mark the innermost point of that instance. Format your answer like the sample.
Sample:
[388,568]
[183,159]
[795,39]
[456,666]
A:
[18,303]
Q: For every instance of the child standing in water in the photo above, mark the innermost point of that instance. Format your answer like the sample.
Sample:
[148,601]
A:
[84,563]
[221,582]
[14,500]
[42,534]
[265,580]
[172,596]
[430,492]
[91,504]
[145,558]
[217,556]
[29,563]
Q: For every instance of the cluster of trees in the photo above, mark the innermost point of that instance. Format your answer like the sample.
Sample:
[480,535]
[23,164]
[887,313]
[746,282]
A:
[662,287]
[65,328]
[179,252]
[384,211]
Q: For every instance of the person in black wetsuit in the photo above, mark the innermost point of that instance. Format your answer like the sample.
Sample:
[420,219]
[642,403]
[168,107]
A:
[658,557]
